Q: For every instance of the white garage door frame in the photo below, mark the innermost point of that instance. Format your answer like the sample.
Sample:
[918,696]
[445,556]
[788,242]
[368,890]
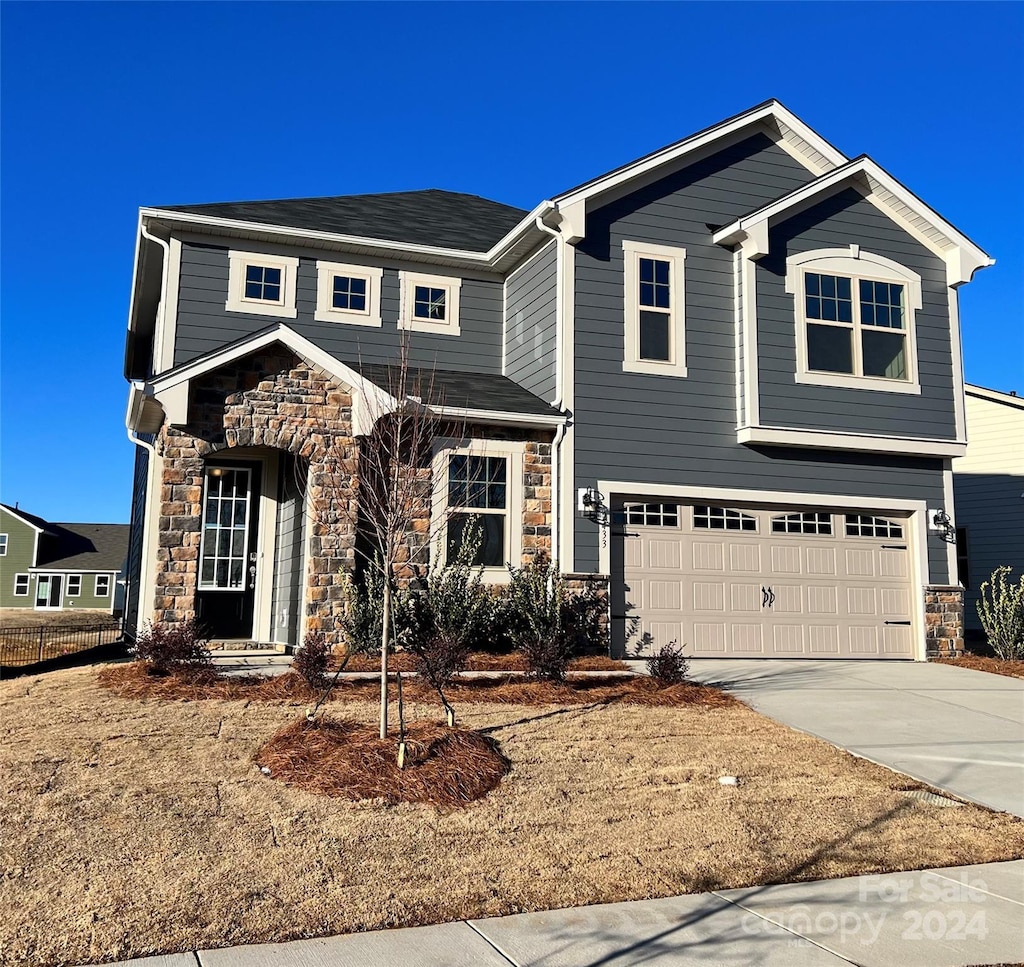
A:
[916,511]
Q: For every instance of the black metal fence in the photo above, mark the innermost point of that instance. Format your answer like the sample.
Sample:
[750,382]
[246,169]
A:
[28,646]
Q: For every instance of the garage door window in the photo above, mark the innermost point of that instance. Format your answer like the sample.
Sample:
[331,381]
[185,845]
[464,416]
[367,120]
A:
[862,525]
[721,518]
[804,523]
[653,515]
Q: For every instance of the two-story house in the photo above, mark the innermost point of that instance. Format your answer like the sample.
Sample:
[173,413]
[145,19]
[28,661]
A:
[723,380]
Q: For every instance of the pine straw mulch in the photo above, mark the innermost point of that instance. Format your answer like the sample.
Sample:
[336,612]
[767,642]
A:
[1011,668]
[484,661]
[135,680]
[444,767]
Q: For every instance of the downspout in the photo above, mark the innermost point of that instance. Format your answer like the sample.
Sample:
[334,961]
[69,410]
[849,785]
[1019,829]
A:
[556,446]
[146,539]
[158,349]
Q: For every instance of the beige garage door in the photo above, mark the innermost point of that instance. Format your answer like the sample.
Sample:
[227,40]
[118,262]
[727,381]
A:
[736,581]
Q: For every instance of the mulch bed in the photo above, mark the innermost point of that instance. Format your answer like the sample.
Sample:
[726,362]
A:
[444,767]
[136,680]
[482,661]
[997,666]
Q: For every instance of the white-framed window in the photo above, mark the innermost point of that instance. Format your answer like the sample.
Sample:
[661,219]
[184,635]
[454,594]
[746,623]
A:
[102,588]
[806,522]
[864,525]
[655,311]
[348,293]
[74,585]
[3,545]
[652,515]
[262,284]
[479,484]
[722,519]
[855,317]
[21,585]
[430,303]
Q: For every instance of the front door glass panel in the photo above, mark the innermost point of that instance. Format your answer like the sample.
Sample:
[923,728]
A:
[226,510]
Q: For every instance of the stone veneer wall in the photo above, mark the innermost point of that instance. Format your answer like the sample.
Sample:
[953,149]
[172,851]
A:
[269,399]
[944,620]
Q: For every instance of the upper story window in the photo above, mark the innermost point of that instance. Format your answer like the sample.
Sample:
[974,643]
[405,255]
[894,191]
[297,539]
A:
[430,303]
[855,316]
[348,293]
[3,545]
[655,331]
[262,284]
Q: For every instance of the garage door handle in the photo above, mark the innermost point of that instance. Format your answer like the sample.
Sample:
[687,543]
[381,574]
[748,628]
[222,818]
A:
[894,547]
[897,622]
[767,597]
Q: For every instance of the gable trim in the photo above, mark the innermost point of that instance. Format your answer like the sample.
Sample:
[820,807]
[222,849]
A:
[993,396]
[18,517]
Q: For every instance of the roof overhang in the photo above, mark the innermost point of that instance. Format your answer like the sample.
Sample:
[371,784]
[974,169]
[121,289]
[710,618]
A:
[27,523]
[994,396]
[962,257]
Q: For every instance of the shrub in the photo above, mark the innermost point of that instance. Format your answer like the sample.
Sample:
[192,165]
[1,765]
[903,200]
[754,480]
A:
[1001,610]
[547,622]
[363,615]
[310,660]
[668,666]
[176,648]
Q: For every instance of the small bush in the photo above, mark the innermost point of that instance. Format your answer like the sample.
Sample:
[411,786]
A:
[176,648]
[1001,610]
[310,660]
[668,666]
[547,622]
[363,615]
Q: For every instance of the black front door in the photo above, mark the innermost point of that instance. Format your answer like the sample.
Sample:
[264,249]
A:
[226,591]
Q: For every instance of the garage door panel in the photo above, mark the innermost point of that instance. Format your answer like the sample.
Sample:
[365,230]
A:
[708,596]
[863,640]
[665,632]
[789,599]
[747,638]
[664,595]
[897,640]
[633,552]
[823,640]
[788,640]
[895,602]
[786,559]
[745,557]
[822,599]
[860,562]
[892,564]
[861,601]
[709,638]
[708,556]
[820,560]
[745,598]
[665,555]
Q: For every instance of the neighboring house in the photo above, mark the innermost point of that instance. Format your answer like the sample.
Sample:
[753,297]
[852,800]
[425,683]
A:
[60,567]
[722,381]
[988,486]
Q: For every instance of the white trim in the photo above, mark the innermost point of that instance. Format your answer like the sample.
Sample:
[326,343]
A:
[16,592]
[408,281]
[325,311]
[751,370]
[855,264]
[514,453]
[96,586]
[500,417]
[996,396]
[283,308]
[917,523]
[18,517]
[827,440]
[75,576]
[150,550]
[51,569]
[675,365]
[566,455]
[952,571]
[4,540]
[167,315]
[266,549]
[962,257]
[63,588]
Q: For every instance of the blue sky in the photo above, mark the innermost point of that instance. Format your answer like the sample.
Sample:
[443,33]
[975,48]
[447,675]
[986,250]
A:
[108,107]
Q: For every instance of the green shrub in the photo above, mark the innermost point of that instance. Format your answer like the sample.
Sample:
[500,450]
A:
[1001,610]
[176,648]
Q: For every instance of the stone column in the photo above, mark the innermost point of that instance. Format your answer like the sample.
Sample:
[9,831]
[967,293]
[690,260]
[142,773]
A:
[944,620]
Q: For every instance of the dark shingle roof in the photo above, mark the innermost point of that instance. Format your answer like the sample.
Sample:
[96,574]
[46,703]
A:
[445,219]
[31,518]
[478,391]
[91,547]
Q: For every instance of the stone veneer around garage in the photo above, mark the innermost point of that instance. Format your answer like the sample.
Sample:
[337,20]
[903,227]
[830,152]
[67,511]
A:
[944,620]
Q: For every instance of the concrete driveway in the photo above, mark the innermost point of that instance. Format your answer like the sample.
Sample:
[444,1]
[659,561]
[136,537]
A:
[957,729]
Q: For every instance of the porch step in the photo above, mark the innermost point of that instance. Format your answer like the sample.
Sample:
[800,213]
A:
[235,646]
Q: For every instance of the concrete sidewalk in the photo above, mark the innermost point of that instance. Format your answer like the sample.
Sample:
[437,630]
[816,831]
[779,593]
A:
[955,728]
[937,918]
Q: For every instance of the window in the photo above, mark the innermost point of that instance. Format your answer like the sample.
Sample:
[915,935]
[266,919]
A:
[3,545]
[654,309]
[861,525]
[962,557]
[804,523]
[262,284]
[225,533]
[430,303]
[348,293]
[20,585]
[653,515]
[74,585]
[721,518]
[855,317]
[478,489]
[102,586]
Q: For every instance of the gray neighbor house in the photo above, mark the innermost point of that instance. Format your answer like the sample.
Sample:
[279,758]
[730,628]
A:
[723,382]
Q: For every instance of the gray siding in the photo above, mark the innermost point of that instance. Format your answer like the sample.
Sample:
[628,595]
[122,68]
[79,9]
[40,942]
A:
[204,324]
[664,430]
[289,554]
[847,218]
[530,324]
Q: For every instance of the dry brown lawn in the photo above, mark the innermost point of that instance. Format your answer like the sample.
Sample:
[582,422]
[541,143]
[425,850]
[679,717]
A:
[30,618]
[132,826]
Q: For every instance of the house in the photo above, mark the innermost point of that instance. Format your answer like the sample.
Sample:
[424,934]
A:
[723,382]
[988,489]
[60,567]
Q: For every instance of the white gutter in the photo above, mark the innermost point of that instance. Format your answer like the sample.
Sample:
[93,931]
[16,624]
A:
[134,398]
[164,268]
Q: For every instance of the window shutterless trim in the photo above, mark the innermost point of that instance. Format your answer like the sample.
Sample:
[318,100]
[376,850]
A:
[21,581]
[325,310]
[74,586]
[632,252]
[105,578]
[284,307]
[856,265]
[450,325]
[3,545]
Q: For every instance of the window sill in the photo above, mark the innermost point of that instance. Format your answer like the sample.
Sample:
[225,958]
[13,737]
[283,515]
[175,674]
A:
[873,384]
[347,318]
[423,325]
[646,367]
[261,309]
